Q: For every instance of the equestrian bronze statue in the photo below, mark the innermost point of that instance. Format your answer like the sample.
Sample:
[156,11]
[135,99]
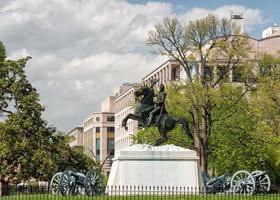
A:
[149,113]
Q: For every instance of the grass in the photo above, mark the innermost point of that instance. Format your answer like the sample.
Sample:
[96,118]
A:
[143,197]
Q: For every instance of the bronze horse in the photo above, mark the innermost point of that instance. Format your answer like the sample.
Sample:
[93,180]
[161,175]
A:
[162,120]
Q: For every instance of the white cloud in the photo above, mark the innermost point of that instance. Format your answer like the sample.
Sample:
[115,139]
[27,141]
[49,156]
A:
[252,17]
[93,24]
[19,53]
[73,89]
[83,49]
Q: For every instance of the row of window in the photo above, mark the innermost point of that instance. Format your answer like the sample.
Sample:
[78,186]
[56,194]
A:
[97,146]
[109,129]
[110,148]
[90,121]
[125,102]
[109,119]
[223,71]
[164,75]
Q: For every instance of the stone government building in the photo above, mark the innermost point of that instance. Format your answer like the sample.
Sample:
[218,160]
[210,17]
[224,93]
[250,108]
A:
[97,133]
[102,131]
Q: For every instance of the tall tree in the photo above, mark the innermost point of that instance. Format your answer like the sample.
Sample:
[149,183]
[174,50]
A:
[265,108]
[234,144]
[2,52]
[211,48]
[29,148]
[24,135]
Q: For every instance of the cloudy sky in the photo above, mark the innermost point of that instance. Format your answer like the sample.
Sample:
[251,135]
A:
[83,50]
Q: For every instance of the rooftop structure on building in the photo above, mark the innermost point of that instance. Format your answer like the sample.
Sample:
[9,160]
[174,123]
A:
[273,30]
[237,18]
[108,105]
[123,88]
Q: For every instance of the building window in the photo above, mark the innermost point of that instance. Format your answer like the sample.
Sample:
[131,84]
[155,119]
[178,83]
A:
[110,129]
[222,71]
[97,119]
[237,74]
[208,73]
[111,118]
[110,147]
[97,130]
[97,145]
[173,74]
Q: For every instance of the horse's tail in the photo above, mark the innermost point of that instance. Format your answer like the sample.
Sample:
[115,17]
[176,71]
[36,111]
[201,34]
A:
[185,126]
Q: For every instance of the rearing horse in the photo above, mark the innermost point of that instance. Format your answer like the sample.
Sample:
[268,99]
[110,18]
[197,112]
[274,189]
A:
[163,121]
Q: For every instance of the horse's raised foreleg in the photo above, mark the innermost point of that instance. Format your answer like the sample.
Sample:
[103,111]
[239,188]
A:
[124,121]
[130,116]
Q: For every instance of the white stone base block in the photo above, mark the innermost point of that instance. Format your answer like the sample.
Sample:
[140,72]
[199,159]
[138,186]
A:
[162,166]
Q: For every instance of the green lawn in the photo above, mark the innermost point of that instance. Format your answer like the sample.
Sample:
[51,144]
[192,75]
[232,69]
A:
[144,197]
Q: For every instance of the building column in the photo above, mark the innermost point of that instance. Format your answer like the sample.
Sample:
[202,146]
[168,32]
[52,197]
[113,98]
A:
[103,143]
[230,74]
[169,72]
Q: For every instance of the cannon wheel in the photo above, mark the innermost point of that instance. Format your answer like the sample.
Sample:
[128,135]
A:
[67,184]
[54,186]
[94,183]
[263,182]
[243,182]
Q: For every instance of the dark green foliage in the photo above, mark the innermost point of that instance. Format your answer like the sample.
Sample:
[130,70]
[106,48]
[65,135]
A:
[233,143]
[2,52]
[29,148]
[269,65]
[265,108]
[76,160]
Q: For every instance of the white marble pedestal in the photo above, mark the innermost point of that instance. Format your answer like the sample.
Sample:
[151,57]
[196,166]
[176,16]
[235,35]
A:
[162,166]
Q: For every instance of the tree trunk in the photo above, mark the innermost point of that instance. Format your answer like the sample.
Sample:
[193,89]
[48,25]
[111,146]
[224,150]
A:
[203,150]
[197,143]
[200,142]
[4,189]
[203,141]
[203,159]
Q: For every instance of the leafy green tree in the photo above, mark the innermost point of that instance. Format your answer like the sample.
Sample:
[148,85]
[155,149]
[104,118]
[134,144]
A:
[29,148]
[211,48]
[2,52]
[233,143]
[265,108]
[24,135]
[269,66]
